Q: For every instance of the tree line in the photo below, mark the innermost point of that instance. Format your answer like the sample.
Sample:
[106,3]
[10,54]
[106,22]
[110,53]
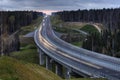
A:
[10,22]
[108,41]
[108,17]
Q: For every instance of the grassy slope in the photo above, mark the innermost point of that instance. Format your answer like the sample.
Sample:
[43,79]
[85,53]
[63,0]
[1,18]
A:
[12,69]
[27,55]
[89,28]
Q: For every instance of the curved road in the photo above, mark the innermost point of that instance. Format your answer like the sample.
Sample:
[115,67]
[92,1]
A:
[77,59]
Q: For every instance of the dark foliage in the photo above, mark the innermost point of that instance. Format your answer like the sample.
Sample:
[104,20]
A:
[10,24]
[108,17]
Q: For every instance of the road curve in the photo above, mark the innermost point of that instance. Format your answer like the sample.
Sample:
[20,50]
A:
[78,59]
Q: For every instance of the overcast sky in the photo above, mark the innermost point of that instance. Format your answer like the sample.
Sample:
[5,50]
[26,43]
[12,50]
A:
[56,5]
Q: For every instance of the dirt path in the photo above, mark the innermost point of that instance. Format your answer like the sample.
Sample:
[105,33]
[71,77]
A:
[97,27]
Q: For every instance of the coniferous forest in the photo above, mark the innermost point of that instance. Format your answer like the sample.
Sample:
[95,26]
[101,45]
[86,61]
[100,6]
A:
[108,42]
[10,24]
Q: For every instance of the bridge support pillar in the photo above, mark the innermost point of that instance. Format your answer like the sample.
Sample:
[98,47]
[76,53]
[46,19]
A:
[48,63]
[67,73]
[41,57]
[59,69]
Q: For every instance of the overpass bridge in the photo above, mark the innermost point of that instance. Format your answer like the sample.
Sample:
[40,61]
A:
[81,61]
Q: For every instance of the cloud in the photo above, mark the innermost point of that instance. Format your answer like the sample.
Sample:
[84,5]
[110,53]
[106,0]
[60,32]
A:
[55,5]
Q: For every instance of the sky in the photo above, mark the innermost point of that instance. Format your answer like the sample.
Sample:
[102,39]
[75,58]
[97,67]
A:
[49,6]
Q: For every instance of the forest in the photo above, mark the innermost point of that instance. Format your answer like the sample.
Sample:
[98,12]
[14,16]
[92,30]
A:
[108,41]
[10,24]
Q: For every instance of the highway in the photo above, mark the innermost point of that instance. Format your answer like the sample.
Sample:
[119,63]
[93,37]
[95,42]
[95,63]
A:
[77,59]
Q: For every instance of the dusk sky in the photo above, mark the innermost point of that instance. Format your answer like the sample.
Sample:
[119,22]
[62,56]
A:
[57,5]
